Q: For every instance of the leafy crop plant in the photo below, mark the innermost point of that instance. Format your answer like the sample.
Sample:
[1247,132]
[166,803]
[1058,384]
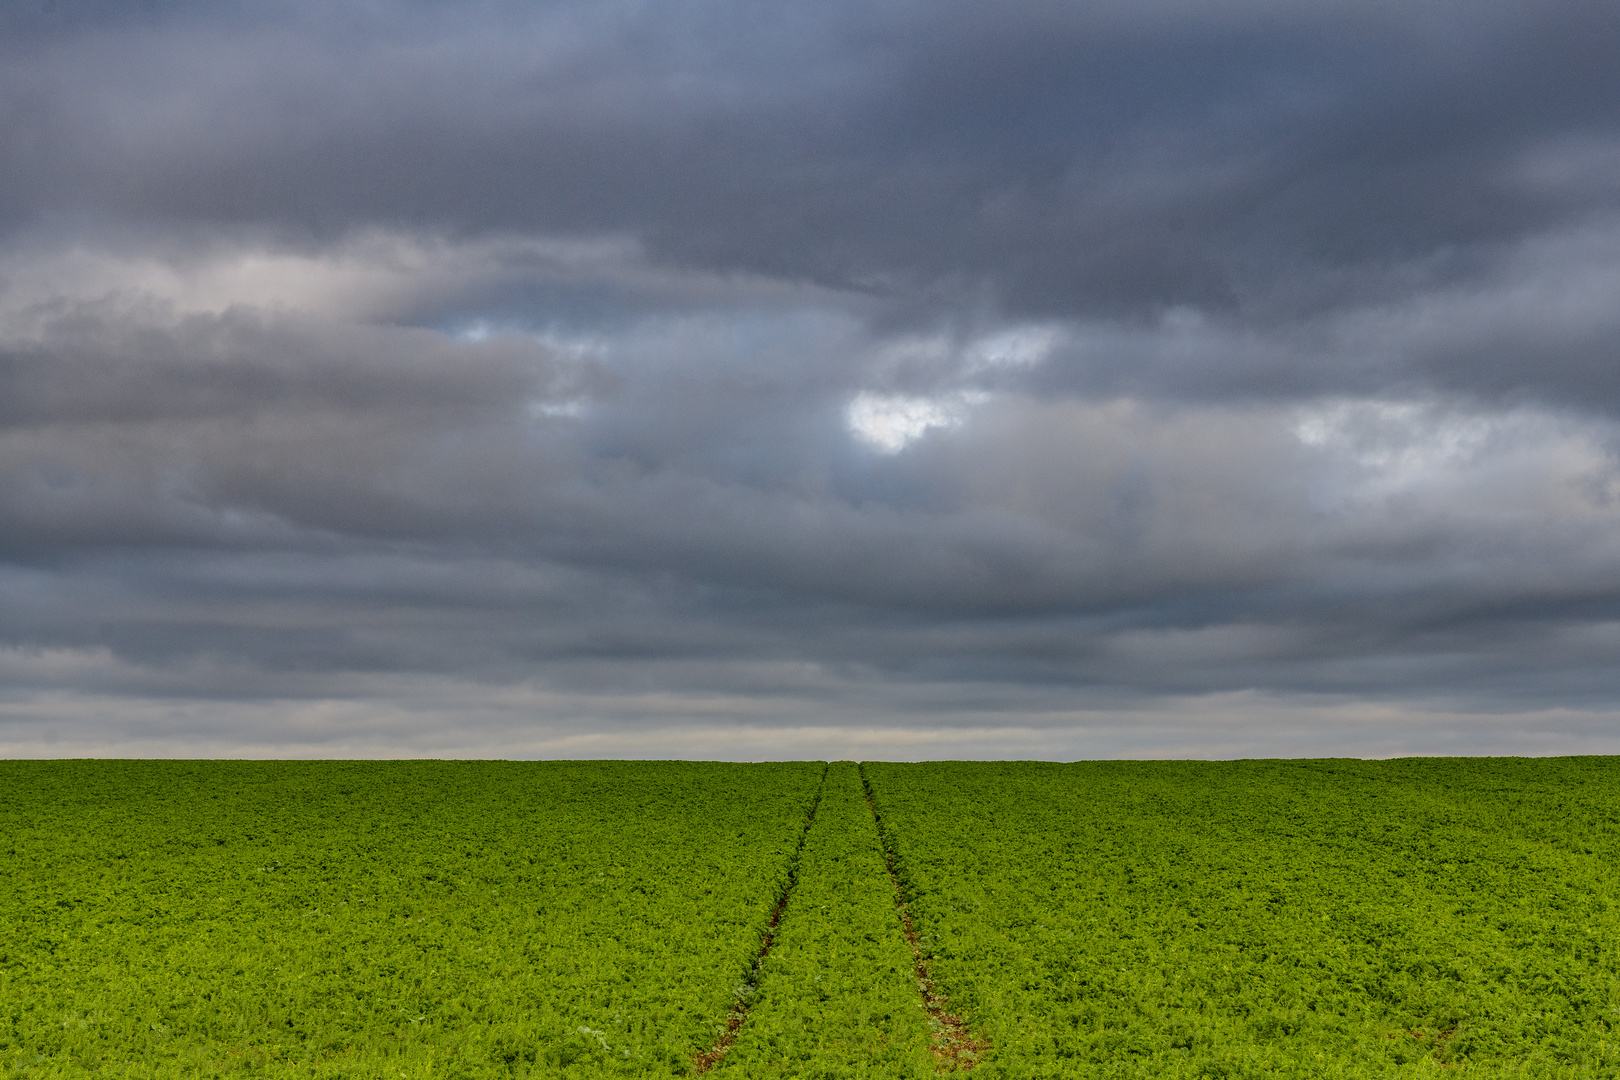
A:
[1335,919]
[1309,919]
[371,919]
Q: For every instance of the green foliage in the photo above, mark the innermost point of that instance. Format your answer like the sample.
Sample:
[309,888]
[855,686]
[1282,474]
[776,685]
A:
[837,994]
[419,919]
[1426,917]
[1322,919]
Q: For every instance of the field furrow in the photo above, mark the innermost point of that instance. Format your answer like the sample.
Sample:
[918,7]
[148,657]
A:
[748,989]
[418,919]
[837,996]
[1279,919]
[495,920]
[955,1045]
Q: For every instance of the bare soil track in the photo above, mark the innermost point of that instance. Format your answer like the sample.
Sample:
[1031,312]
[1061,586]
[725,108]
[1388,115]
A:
[955,1046]
[705,1060]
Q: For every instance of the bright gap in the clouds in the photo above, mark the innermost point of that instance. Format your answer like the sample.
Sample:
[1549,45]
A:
[890,422]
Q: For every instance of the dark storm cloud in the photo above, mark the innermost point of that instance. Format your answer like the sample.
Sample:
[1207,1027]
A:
[1270,165]
[615,369]
[1071,159]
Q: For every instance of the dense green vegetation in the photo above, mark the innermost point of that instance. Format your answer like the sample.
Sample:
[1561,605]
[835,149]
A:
[1278,919]
[424,919]
[1426,917]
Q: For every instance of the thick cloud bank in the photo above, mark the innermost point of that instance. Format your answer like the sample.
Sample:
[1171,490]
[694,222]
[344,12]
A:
[713,379]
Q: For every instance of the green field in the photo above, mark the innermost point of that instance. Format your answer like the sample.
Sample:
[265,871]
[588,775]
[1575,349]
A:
[1422,917]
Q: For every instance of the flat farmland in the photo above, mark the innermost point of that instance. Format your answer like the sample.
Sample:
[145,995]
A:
[1335,918]
[424,919]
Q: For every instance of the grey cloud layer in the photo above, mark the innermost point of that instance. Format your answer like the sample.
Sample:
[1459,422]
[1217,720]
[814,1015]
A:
[969,367]
[1074,159]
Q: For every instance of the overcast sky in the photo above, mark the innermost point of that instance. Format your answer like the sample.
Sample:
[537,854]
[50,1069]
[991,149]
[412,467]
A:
[738,379]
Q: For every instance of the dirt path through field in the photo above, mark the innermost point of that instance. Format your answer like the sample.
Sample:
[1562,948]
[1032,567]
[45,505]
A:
[703,1062]
[954,1045]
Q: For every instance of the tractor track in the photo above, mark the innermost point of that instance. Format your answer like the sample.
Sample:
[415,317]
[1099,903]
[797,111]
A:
[705,1060]
[955,1047]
